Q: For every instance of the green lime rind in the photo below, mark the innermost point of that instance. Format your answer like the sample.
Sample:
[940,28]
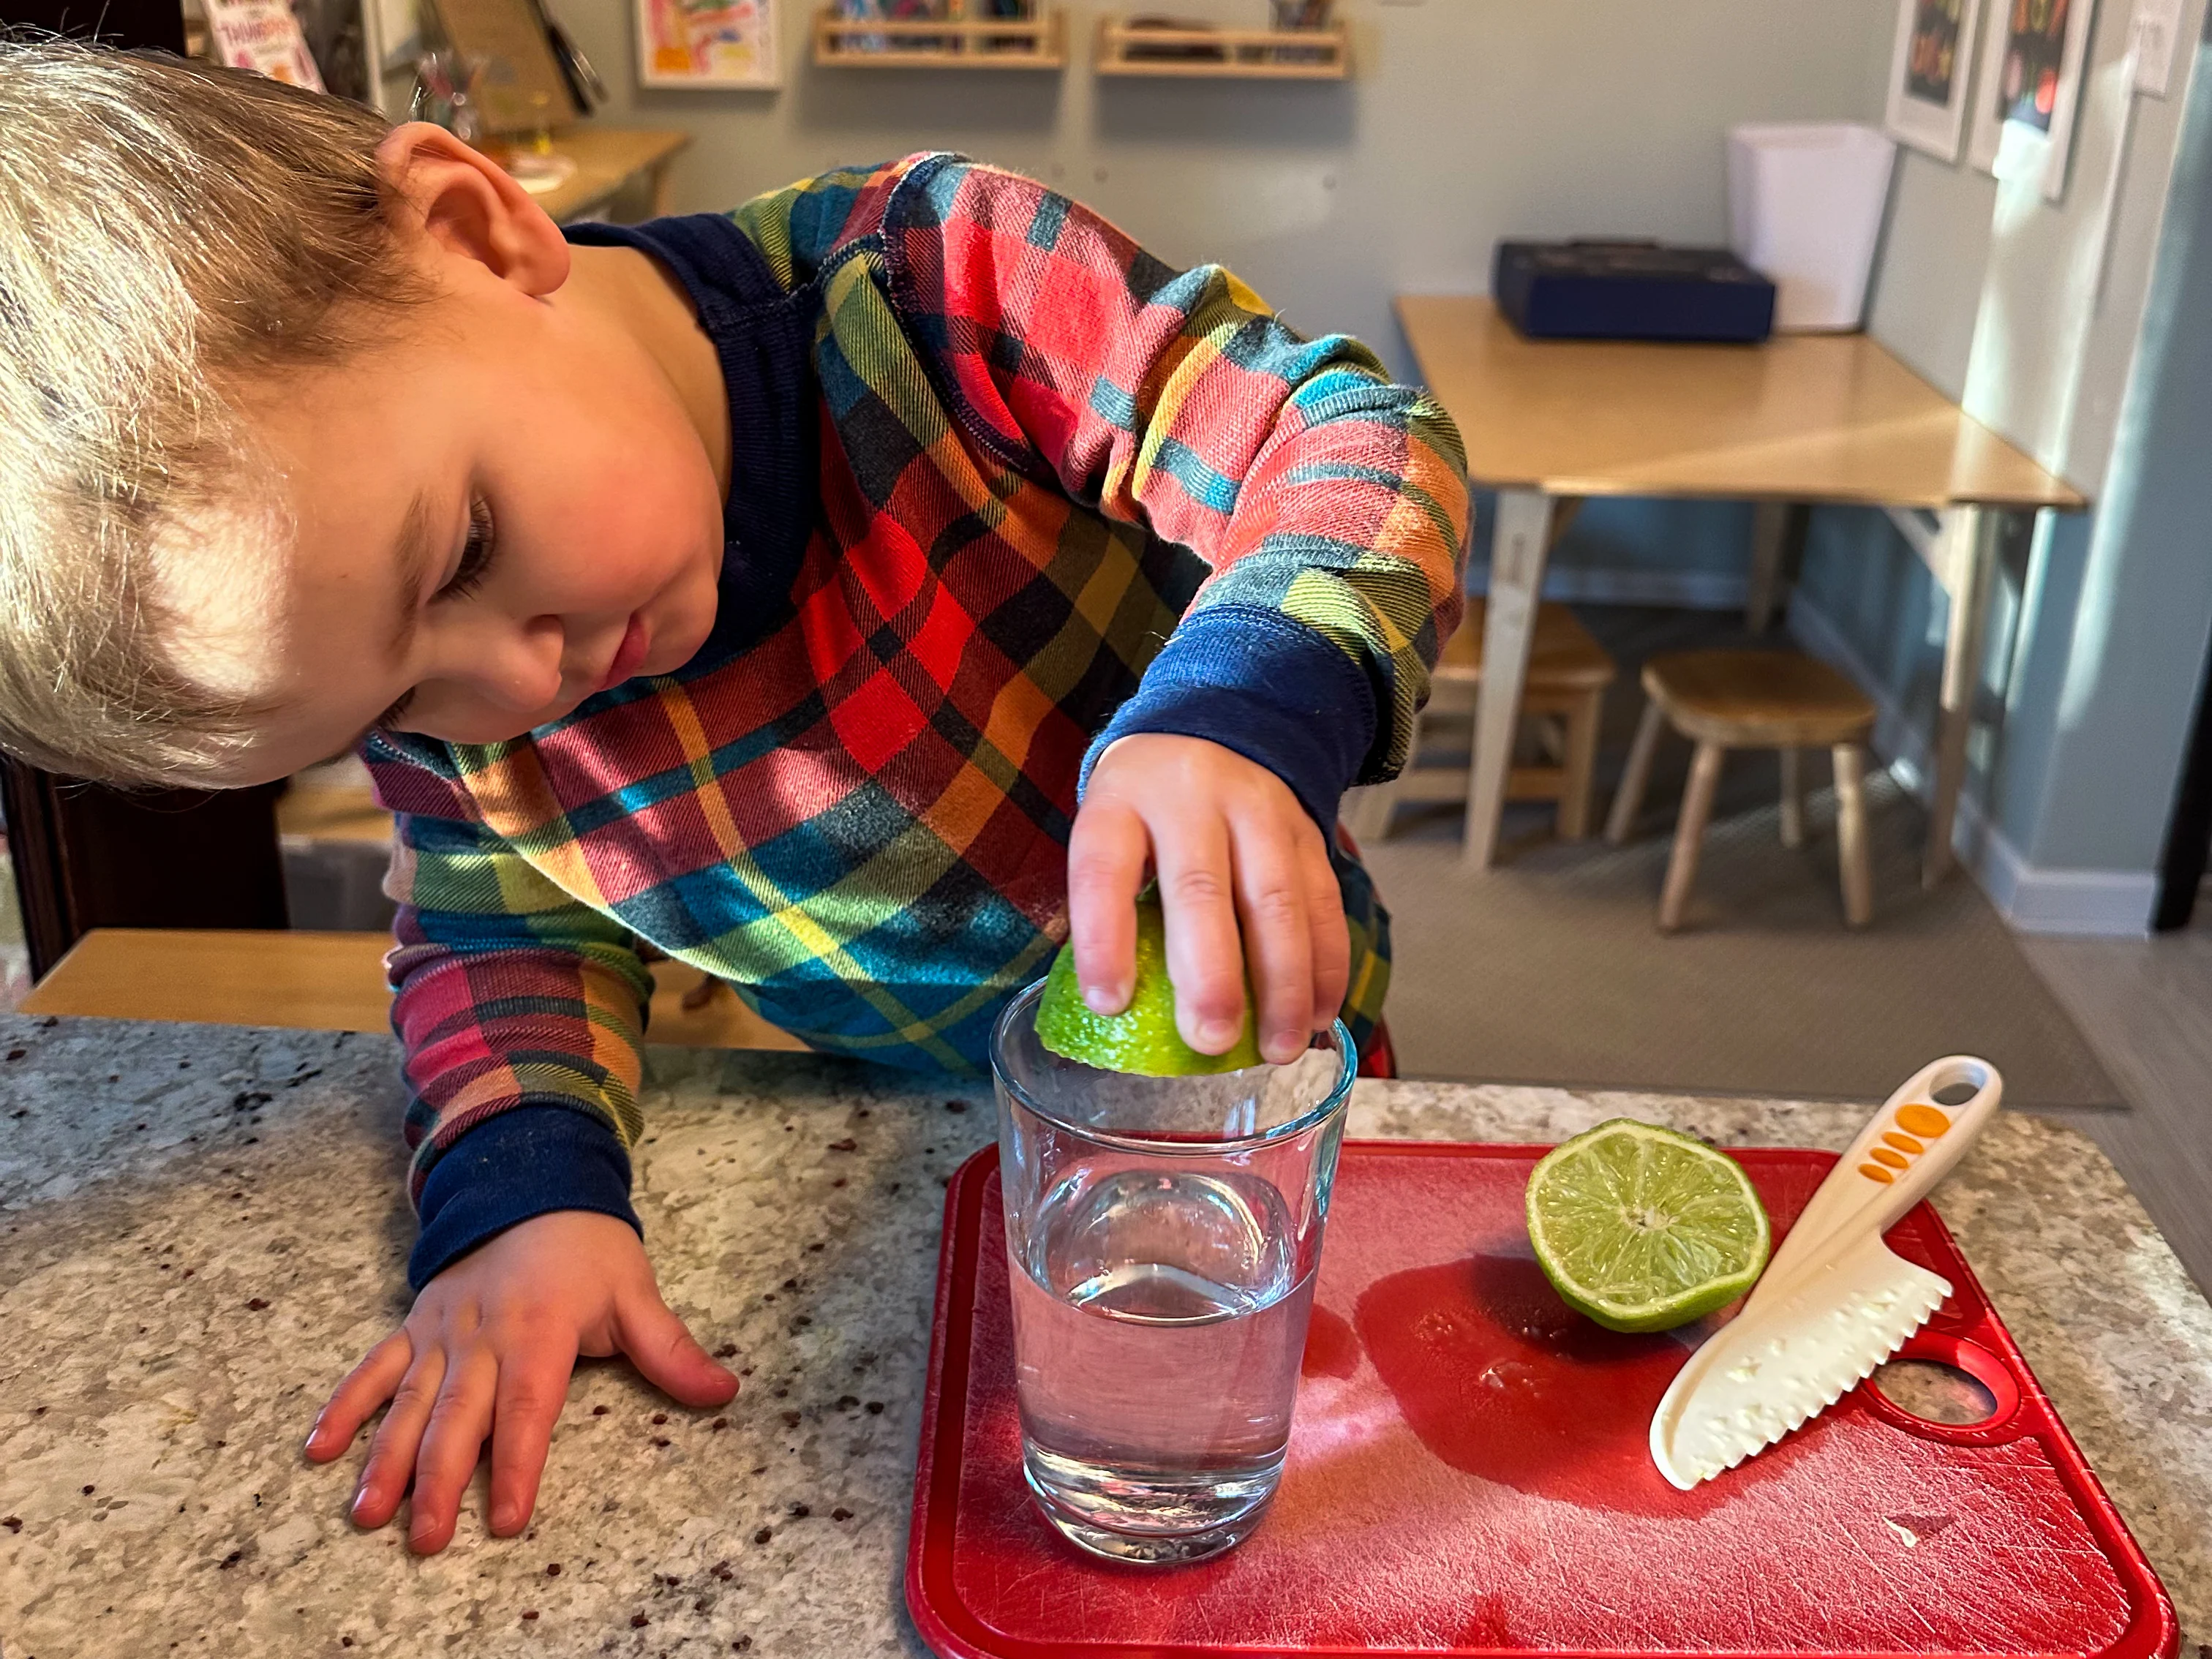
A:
[1142,1039]
[1643,1229]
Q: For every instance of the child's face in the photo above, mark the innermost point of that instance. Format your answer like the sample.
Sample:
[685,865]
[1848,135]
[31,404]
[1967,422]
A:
[506,509]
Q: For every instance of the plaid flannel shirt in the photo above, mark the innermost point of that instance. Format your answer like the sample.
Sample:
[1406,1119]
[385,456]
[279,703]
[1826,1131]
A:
[1005,488]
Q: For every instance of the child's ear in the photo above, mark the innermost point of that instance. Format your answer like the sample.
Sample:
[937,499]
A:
[469,207]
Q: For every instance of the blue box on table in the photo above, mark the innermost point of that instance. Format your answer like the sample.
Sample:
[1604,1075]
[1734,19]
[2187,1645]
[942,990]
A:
[1591,290]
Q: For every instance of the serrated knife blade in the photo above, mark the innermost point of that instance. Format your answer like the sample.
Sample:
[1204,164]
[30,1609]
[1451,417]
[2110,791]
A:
[1772,1370]
[1835,1301]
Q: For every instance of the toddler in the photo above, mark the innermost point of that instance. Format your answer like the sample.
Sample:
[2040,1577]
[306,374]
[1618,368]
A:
[853,596]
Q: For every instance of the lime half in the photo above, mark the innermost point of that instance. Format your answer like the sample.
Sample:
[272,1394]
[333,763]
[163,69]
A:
[1142,1039]
[1643,1229]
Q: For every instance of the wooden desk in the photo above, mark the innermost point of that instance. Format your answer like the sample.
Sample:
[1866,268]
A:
[607,158]
[1803,419]
[319,981]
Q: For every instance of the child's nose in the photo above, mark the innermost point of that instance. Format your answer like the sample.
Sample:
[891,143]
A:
[523,671]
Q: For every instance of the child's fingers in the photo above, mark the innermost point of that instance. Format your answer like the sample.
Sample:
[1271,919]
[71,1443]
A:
[1206,960]
[1332,935]
[533,1386]
[662,1348]
[1272,899]
[391,1463]
[452,1443]
[354,1401]
[1105,867]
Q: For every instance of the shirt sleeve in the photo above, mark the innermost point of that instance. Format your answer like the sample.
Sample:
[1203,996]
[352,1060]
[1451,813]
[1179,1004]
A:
[1330,504]
[521,1015]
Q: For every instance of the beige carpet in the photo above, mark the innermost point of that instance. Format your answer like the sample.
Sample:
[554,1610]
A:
[1549,968]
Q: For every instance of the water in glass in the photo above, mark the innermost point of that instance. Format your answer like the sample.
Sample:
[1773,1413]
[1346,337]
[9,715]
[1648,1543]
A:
[1160,1323]
[1162,1238]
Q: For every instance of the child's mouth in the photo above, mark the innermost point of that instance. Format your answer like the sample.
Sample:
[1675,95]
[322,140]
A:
[635,642]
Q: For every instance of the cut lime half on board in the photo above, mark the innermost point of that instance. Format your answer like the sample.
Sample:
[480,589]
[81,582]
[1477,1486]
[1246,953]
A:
[1142,1039]
[1643,1229]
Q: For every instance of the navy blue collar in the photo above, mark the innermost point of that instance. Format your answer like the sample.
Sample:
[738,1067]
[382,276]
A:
[763,336]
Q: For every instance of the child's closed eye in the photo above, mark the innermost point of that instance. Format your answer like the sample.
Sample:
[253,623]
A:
[476,553]
[468,575]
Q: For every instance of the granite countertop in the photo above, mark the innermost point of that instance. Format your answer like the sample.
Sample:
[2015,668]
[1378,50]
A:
[204,1228]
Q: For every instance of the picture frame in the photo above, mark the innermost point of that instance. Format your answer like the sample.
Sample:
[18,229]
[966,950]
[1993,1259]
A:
[1931,71]
[709,45]
[2034,61]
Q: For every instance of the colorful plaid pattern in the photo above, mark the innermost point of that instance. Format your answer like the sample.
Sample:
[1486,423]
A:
[1036,450]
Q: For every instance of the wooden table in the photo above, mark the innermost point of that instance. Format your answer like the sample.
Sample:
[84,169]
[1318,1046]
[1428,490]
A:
[324,981]
[1803,419]
[608,159]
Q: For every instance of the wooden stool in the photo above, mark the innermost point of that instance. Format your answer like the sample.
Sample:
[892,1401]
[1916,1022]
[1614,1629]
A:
[1724,700]
[1568,673]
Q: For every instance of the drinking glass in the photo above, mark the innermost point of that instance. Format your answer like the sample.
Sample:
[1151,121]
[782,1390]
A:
[1163,1235]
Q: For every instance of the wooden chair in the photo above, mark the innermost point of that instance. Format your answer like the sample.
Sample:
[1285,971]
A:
[1568,673]
[1724,700]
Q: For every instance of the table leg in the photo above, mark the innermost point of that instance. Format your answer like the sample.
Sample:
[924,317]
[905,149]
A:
[1520,543]
[662,196]
[1970,535]
[1777,540]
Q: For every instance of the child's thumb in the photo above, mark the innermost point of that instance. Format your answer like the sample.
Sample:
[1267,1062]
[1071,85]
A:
[660,1347]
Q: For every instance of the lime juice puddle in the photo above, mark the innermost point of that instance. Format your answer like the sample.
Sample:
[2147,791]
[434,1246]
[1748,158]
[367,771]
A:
[1499,1378]
[1162,1328]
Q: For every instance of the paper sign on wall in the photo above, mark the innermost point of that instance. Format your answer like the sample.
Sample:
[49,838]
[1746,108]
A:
[2150,35]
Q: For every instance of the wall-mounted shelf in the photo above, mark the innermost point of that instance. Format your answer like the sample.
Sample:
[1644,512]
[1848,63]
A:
[993,43]
[1127,48]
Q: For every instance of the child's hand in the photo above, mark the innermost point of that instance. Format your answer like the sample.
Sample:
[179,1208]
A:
[487,1350]
[1237,858]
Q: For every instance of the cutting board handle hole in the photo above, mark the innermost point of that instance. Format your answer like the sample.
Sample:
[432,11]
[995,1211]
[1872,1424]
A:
[1935,1392]
[1940,1383]
[1956,1094]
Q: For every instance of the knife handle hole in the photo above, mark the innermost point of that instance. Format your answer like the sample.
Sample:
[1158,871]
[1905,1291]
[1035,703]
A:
[1935,1392]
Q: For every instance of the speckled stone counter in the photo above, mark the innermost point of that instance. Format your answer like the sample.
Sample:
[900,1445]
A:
[202,1228]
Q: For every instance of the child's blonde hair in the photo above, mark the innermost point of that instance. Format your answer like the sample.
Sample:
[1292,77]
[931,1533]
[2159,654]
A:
[169,233]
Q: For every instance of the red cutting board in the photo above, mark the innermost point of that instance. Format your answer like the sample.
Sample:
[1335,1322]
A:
[1468,1474]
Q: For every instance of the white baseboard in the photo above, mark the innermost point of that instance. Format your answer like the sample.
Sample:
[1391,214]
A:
[2112,903]
[1682,590]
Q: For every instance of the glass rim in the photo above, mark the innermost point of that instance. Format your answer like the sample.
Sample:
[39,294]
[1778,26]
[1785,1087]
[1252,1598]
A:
[1338,1093]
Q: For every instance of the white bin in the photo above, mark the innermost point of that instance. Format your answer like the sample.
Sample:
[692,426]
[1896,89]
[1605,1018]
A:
[1805,201]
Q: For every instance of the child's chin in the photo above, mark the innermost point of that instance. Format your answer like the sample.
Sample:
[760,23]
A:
[670,654]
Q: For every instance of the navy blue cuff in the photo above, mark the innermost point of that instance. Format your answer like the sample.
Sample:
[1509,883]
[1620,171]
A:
[528,1160]
[1274,691]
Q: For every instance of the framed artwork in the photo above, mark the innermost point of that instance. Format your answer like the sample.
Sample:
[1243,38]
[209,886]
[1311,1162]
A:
[1930,69]
[708,44]
[2034,54]
[262,35]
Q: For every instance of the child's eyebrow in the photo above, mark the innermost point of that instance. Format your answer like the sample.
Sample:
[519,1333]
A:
[411,557]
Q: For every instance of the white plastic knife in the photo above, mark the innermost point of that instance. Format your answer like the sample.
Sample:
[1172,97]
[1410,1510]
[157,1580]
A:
[1835,1301]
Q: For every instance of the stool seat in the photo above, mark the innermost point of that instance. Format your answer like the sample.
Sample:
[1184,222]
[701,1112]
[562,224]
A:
[1756,699]
[1563,696]
[1724,700]
[1564,656]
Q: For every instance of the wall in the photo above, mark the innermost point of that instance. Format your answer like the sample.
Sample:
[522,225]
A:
[1470,120]
[2139,640]
[1466,120]
[2031,315]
